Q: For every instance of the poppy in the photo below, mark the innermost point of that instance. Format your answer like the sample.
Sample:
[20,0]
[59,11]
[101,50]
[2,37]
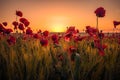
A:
[116,23]
[8,31]
[54,37]
[100,12]
[36,36]
[20,26]
[19,13]
[44,42]
[15,24]
[4,23]
[29,31]
[91,31]
[2,29]
[11,40]
[39,31]
[46,33]
[24,21]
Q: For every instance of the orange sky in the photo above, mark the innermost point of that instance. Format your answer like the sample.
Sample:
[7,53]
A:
[56,15]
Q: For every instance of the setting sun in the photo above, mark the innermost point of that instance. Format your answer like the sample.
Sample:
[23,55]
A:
[58,23]
[57,28]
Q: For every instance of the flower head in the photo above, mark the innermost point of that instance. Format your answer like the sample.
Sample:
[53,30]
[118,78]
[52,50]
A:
[116,23]
[24,21]
[8,31]
[36,36]
[46,33]
[4,23]
[44,42]
[100,12]
[19,13]
[29,31]
[11,40]
[15,24]
[20,26]
[2,29]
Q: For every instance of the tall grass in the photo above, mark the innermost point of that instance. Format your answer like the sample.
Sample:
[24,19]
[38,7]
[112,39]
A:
[29,60]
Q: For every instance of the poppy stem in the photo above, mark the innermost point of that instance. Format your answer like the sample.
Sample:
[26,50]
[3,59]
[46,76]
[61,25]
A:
[97,23]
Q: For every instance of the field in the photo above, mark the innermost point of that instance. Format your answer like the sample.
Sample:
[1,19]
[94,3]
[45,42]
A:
[31,59]
[70,55]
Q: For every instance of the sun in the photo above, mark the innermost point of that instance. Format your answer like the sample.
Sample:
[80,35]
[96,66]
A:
[57,27]
[58,23]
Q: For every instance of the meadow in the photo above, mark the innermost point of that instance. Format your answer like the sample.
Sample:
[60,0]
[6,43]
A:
[25,55]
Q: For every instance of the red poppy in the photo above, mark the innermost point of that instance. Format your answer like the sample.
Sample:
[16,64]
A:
[116,23]
[20,26]
[100,12]
[36,36]
[24,21]
[4,23]
[68,35]
[77,30]
[46,33]
[39,31]
[91,31]
[11,40]
[71,29]
[67,39]
[54,37]
[44,42]
[2,29]
[29,31]
[19,13]
[15,24]
[8,31]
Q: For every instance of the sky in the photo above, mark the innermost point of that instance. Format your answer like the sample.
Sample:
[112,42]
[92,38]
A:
[56,15]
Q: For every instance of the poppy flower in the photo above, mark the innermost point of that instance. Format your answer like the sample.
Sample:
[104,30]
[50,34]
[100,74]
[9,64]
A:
[15,24]
[46,33]
[91,31]
[71,29]
[77,30]
[54,37]
[100,12]
[11,40]
[67,39]
[36,36]
[8,31]
[39,31]
[29,31]
[4,23]
[20,26]
[116,23]
[24,21]
[44,42]
[19,13]
[2,29]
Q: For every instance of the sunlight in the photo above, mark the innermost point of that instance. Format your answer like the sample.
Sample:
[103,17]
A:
[58,28]
[58,23]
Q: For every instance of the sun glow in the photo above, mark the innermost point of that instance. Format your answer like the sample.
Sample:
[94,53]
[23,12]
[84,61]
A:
[58,24]
[58,28]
